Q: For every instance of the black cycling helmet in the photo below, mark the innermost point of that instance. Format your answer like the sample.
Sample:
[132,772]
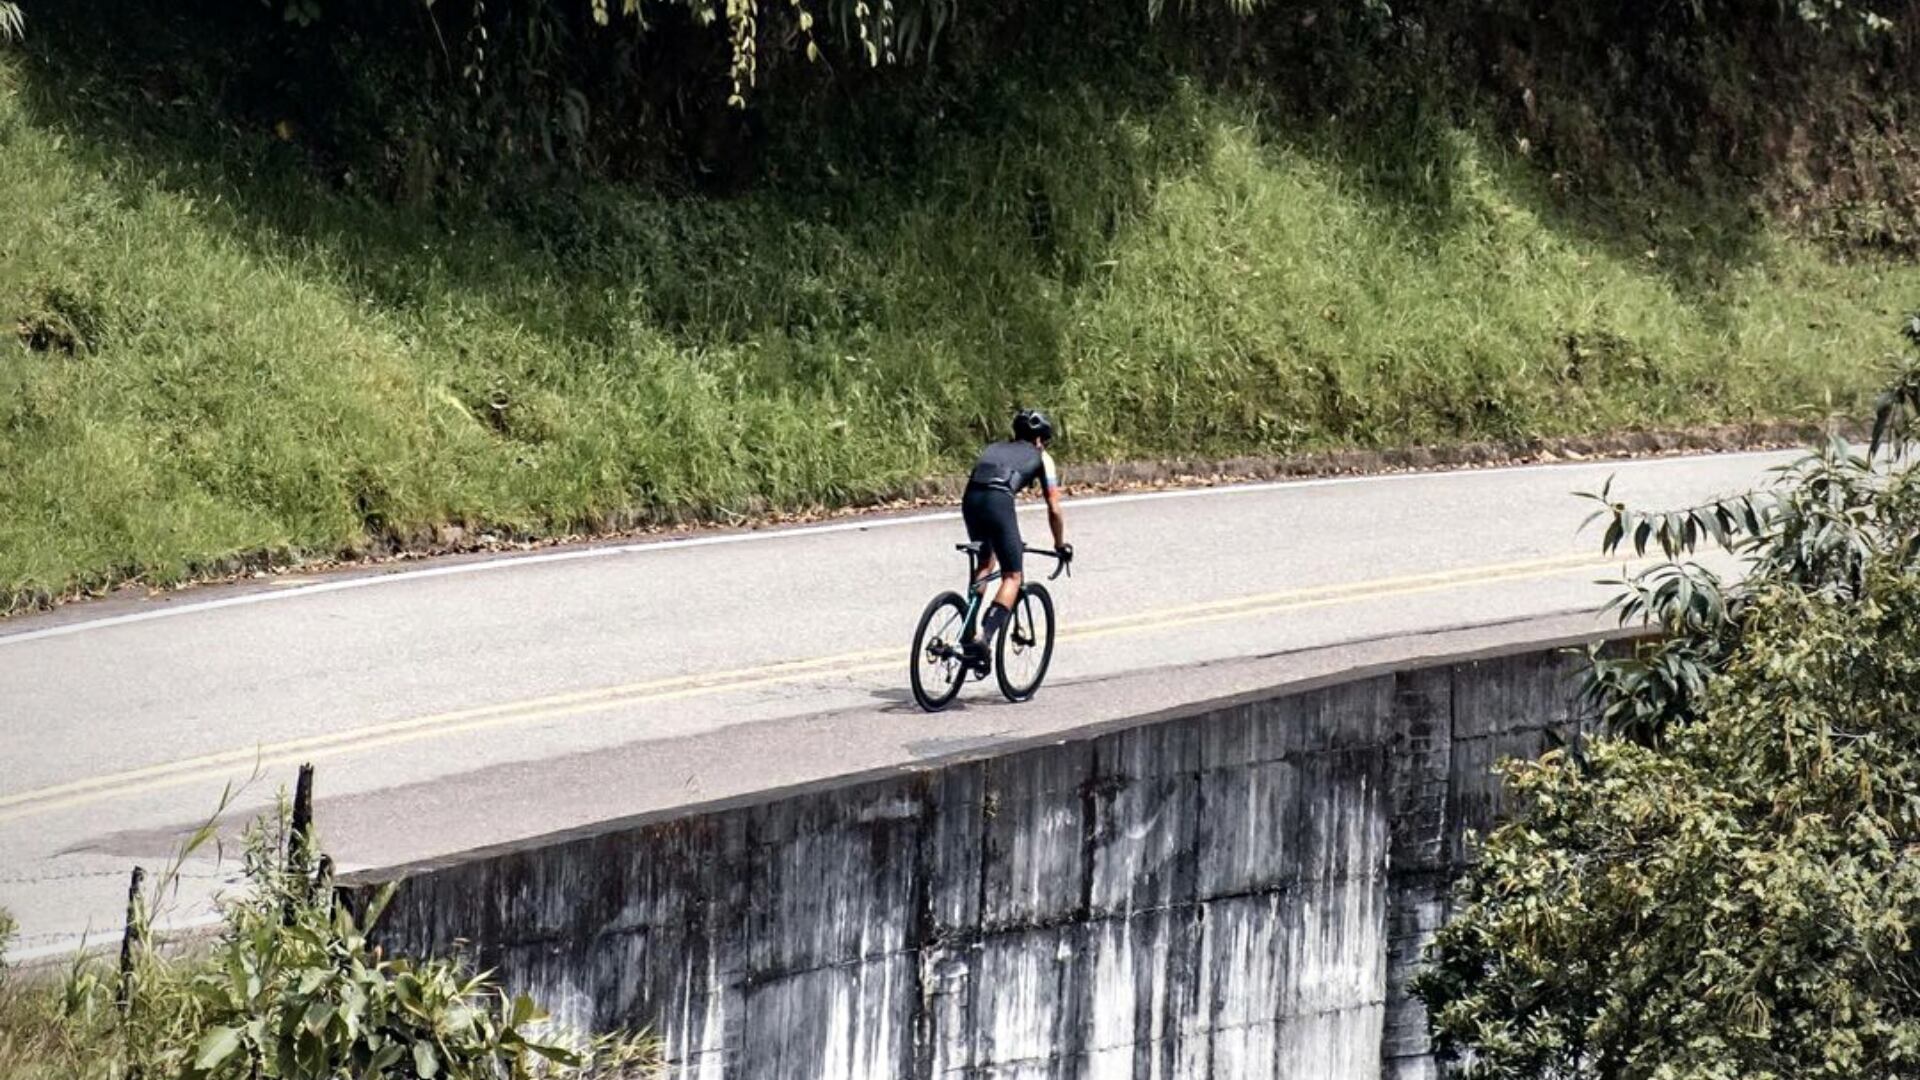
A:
[1030,424]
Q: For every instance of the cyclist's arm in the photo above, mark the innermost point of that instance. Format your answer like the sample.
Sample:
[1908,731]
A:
[1050,483]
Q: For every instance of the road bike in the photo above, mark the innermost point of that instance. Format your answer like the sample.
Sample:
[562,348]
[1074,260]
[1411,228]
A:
[1021,655]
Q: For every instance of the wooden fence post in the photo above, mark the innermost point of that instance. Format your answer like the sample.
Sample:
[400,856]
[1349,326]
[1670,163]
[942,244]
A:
[300,841]
[132,939]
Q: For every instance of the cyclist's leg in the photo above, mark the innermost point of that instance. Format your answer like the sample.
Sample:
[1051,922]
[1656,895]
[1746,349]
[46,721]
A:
[976,512]
[1009,550]
[1009,588]
[988,564]
[983,576]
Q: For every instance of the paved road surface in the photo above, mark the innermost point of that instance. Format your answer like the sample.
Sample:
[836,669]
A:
[471,702]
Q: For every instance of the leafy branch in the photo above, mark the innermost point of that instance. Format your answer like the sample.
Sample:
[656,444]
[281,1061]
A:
[1682,598]
[1727,522]
[1817,527]
[881,32]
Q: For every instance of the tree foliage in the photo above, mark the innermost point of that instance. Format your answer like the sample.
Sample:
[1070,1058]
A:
[879,32]
[419,100]
[1738,903]
[1727,884]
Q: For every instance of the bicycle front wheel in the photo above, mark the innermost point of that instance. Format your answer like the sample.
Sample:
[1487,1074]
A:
[936,667]
[1026,644]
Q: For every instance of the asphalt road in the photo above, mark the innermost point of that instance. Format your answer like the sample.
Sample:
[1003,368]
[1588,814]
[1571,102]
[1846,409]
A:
[456,704]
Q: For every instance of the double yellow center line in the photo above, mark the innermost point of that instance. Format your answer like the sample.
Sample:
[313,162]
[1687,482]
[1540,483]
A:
[215,766]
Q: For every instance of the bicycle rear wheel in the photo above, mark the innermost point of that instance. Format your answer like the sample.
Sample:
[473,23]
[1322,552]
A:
[1026,644]
[935,667]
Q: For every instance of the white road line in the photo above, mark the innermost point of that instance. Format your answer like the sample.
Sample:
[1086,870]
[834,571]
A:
[96,943]
[507,562]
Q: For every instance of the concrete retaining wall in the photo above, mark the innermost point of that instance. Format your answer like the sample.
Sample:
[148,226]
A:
[1235,891]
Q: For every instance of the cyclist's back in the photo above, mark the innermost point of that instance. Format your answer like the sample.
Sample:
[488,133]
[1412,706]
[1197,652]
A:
[1011,466]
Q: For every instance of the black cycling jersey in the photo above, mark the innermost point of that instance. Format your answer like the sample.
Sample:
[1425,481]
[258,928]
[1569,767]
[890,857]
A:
[987,507]
[1011,466]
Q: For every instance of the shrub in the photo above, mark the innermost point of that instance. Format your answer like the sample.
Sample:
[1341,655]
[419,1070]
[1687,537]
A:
[291,989]
[1725,882]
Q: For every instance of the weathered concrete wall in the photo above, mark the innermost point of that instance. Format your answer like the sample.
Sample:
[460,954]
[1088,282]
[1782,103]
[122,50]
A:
[1235,891]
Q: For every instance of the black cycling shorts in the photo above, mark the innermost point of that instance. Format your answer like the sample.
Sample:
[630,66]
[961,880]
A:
[991,521]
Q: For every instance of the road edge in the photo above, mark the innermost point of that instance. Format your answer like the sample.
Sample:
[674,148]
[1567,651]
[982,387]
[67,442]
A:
[453,542]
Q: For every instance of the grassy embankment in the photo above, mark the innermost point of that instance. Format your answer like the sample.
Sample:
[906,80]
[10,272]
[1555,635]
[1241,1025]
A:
[211,354]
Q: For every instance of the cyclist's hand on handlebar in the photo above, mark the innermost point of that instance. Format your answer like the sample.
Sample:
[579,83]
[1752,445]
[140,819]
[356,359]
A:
[1066,552]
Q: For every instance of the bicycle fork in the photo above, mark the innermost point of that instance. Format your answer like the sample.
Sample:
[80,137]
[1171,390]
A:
[1020,626]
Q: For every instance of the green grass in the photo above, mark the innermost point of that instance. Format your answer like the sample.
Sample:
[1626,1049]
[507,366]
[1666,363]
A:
[263,363]
[46,1028]
[36,1041]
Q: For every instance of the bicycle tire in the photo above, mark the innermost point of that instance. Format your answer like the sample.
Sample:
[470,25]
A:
[1033,597]
[927,691]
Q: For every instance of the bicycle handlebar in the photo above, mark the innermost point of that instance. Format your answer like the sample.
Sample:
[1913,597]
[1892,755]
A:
[1065,561]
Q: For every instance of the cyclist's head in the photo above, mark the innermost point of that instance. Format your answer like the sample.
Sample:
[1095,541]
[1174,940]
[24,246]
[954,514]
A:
[1031,424]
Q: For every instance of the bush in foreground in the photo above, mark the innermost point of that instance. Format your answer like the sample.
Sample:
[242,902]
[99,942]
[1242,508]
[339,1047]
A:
[1726,885]
[291,989]
[1740,903]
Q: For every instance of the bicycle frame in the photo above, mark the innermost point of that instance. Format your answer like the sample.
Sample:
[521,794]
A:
[977,587]
[976,590]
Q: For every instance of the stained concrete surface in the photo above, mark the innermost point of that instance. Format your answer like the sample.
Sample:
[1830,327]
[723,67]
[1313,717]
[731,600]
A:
[1234,890]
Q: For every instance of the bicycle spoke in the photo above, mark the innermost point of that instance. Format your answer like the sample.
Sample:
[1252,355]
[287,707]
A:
[1027,646]
[1025,657]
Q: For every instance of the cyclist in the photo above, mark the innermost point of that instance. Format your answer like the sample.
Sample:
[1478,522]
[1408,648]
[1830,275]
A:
[1003,471]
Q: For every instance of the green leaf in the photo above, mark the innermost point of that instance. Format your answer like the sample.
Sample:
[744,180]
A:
[525,1011]
[318,1015]
[425,1061]
[559,1055]
[215,1048]
[1615,533]
[377,906]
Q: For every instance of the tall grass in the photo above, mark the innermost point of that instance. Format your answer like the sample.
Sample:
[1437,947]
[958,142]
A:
[37,1040]
[216,354]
